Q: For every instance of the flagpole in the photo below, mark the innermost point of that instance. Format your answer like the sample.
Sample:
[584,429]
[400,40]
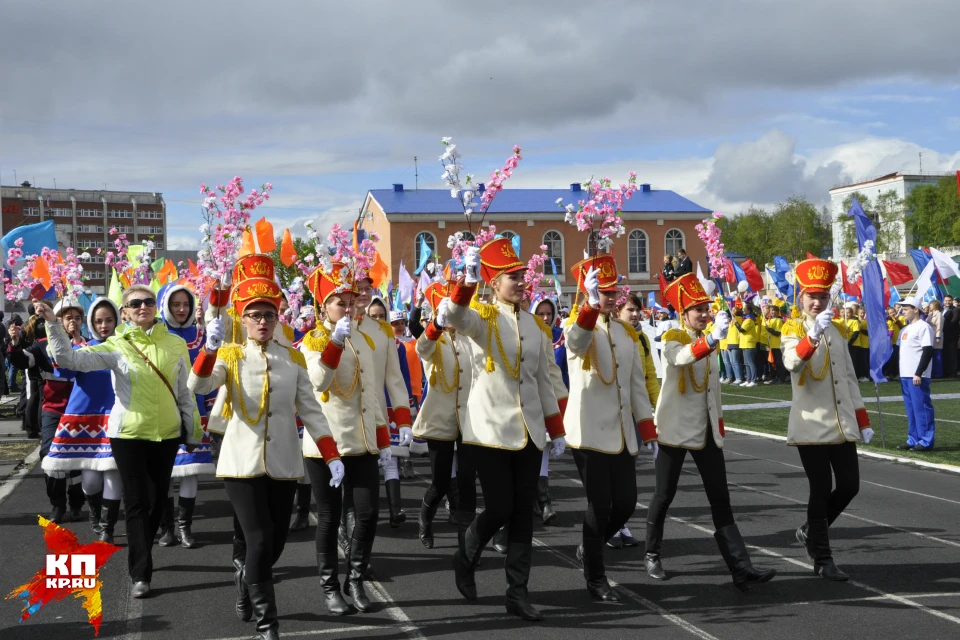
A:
[883,435]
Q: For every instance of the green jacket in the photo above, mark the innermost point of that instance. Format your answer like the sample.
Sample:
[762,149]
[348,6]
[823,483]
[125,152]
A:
[144,408]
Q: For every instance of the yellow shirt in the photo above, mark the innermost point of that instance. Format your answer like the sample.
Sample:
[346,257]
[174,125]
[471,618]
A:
[894,326]
[733,335]
[748,337]
[864,340]
[777,325]
[853,326]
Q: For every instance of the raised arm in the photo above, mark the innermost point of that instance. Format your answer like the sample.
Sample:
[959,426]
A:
[580,333]
[95,358]
[461,317]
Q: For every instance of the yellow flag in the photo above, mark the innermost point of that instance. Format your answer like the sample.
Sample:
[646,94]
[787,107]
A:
[115,292]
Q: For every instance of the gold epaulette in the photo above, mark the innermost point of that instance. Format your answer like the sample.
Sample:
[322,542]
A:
[387,329]
[842,328]
[317,340]
[794,329]
[297,357]
[236,330]
[543,326]
[230,353]
[287,332]
[677,335]
[487,311]
[574,312]
[630,330]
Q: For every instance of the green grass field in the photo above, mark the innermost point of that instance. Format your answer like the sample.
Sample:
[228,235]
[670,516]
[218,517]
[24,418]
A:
[774,420]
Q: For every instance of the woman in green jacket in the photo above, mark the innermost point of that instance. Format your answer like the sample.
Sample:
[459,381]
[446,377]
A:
[154,411]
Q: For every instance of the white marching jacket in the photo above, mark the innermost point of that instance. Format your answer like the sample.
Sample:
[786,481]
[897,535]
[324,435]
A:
[446,361]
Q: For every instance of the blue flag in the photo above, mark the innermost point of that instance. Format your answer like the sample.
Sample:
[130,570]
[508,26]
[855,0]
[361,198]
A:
[738,272]
[515,241]
[425,255]
[880,347]
[921,258]
[779,275]
[894,296]
[35,238]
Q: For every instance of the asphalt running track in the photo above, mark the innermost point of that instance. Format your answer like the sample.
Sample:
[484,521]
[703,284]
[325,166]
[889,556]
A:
[899,541]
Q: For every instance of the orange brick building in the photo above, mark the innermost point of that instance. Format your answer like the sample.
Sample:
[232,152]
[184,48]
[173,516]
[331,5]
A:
[657,222]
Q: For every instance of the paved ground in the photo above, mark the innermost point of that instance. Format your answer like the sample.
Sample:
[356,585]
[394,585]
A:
[899,541]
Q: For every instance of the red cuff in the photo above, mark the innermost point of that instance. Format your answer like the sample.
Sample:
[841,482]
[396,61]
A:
[562,402]
[401,416]
[433,331]
[723,432]
[203,365]
[648,430]
[555,426]
[328,449]
[462,294]
[863,420]
[587,318]
[383,437]
[331,355]
[220,297]
[701,348]
[805,348]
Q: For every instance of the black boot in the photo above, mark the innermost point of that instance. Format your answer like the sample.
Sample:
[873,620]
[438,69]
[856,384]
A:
[327,564]
[517,567]
[465,561]
[239,550]
[734,553]
[803,534]
[75,496]
[544,504]
[397,516]
[264,601]
[818,545]
[425,522]
[591,554]
[302,521]
[651,556]
[348,522]
[185,522]
[358,560]
[58,514]
[453,502]
[95,502]
[500,540]
[109,512]
[244,607]
[168,536]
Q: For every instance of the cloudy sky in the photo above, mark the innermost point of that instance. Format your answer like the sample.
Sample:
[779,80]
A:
[732,103]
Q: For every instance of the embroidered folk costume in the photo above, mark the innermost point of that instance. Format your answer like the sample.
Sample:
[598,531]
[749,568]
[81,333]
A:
[827,416]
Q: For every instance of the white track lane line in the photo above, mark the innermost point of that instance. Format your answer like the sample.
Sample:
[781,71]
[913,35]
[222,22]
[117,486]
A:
[773,554]
[17,476]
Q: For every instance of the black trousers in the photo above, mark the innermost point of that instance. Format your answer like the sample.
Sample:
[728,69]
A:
[949,355]
[713,473]
[58,489]
[610,480]
[441,466]
[508,480]
[361,485]
[827,503]
[466,478]
[144,468]
[262,505]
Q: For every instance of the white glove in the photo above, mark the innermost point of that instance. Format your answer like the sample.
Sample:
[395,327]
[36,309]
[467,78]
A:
[472,265]
[557,446]
[385,456]
[721,324]
[406,436]
[443,309]
[215,333]
[867,435]
[824,320]
[342,331]
[336,471]
[592,285]
[654,447]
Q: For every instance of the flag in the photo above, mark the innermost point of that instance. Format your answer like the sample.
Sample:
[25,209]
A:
[155,285]
[288,254]
[735,274]
[703,279]
[157,264]
[115,291]
[193,268]
[922,258]
[424,255]
[873,299]
[752,275]
[946,267]
[424,282]
[405,285]
[264,236]
[894,296]
[896,272]
[849,288]
[167,273]
[41,271]
[663,282]
[379,271]
[515,241]
[36,237]
[811,256]
[779,275]
[247,245]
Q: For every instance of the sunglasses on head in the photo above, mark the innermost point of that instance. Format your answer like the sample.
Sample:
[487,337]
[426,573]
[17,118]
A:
[141,302]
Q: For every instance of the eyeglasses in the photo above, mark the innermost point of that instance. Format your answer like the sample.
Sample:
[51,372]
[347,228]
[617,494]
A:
[270,317]
[141,302]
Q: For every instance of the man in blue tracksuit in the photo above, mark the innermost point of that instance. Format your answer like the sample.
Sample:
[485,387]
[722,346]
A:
[916,356]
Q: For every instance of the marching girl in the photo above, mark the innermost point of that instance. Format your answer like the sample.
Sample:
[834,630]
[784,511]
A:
[689,417]
[608,405]
[445,356]
[178,310]
[81,442]
[511,408]
[827,418]
[341,363]
[267,385]
[547,311]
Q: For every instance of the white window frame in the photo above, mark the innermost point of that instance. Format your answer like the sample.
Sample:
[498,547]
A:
[683,241]
[645,273]
[416,244]
[562,267]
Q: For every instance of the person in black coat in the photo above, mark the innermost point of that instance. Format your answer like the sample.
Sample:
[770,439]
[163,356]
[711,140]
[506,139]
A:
[951,336]
[669,271]
[684,264]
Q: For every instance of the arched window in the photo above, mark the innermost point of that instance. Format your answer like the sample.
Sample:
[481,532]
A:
[431,241]
[554,243]
[637,251]
[592,247]
[509,235]
[673,241]
[468,236]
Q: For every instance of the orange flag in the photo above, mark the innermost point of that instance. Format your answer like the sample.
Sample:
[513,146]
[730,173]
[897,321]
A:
[246,244]
[41,271]
[378,272]
[288,254]
[167,273]
[264,231]
[192,267]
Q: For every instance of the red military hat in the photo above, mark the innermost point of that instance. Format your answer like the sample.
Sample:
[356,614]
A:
[254,265]
[323,283]
[607,266]
[253,282]
[685,292]
[816,273]
[436,292]
[498,257]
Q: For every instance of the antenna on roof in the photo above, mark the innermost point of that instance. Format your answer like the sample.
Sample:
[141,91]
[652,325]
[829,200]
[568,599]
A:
[416,175]
[921,163]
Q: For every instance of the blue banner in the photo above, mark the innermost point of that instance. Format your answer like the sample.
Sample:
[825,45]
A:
[880,347]
[35,238]
[425,255]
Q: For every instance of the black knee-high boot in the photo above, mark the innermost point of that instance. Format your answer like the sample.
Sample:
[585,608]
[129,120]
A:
[519,557]
[818,546]
[465,560]
[302,519]
[95,502]
[330,583]
[109,513]
[735,554]
[544,505]
[168,535]
[185,522]
[264,601]
[358,561]
[425,521]
[453,502]
[397,515]
[591,554]
[651,556]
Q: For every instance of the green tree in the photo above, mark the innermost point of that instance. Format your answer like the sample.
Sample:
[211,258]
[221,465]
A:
[934,213]
[798,229]
[887,215]
[751,234]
